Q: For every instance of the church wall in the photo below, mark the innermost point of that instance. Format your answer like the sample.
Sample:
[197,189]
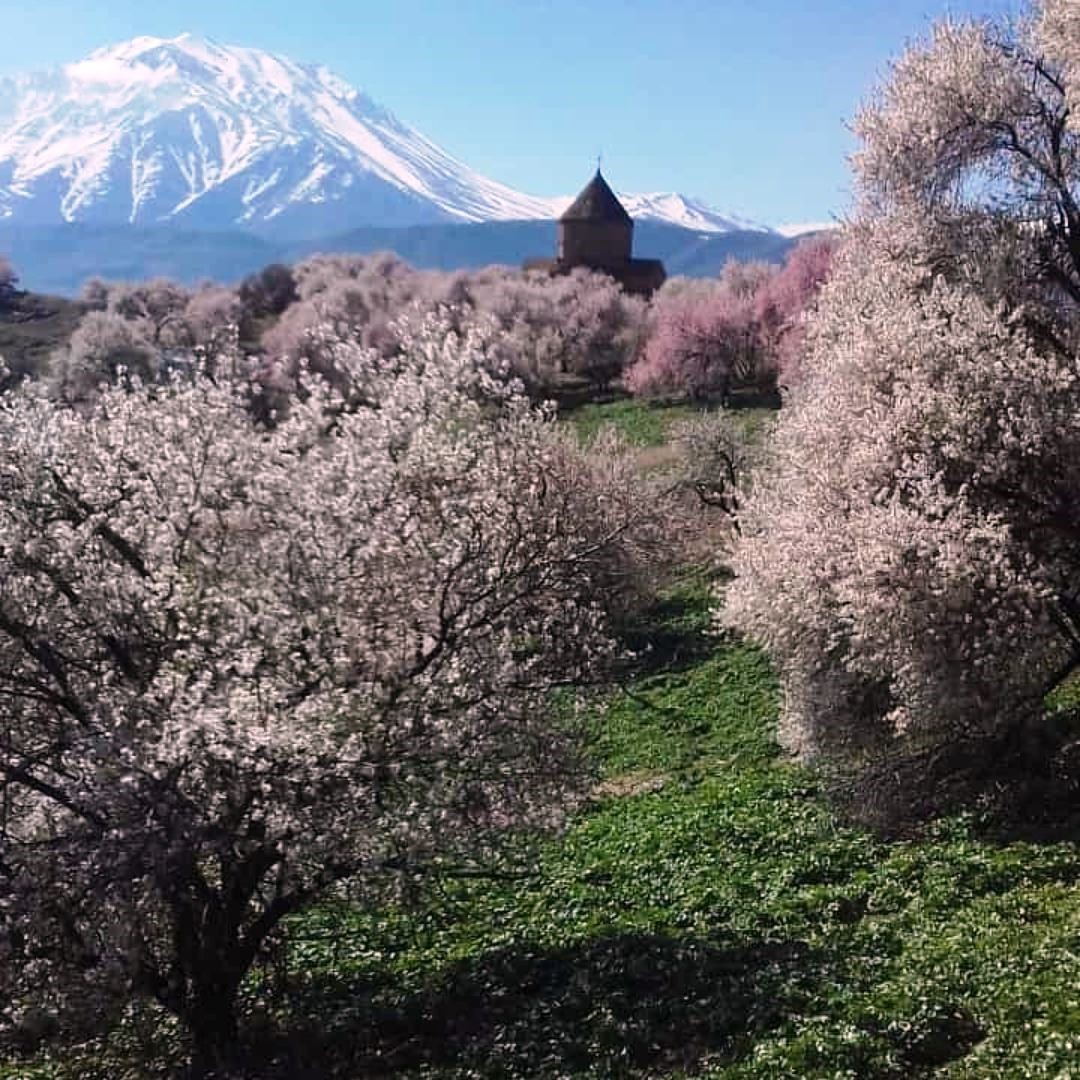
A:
[597,243]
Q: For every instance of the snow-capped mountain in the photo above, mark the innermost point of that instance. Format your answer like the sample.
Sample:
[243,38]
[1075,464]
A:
[189,132]
[688,212]
[675,209]
[185,130]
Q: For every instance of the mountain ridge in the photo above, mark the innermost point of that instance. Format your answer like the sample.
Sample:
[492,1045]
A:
[60,258]
[190,132]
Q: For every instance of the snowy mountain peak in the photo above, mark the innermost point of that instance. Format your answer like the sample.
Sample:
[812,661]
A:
[188,131]
[675,209]
[689,212]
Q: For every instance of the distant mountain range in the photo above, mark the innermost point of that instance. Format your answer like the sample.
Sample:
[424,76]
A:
[154,155]
[59,258]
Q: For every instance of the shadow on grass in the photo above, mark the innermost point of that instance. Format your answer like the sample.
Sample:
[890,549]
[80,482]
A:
[676,632]
[1021,784]
[621,1006]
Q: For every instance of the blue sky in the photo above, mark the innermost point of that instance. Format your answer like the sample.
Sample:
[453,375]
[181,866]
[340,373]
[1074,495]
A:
[741,102]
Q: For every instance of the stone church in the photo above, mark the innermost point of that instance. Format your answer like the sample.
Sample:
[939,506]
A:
[596,232]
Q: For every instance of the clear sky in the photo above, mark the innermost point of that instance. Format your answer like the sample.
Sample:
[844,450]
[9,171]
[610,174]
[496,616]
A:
[741,102]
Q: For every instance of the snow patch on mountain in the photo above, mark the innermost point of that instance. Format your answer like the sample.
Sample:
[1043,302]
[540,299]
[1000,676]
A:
[190,132]
[802,229]
[688,212]
[675,209]
[182,129]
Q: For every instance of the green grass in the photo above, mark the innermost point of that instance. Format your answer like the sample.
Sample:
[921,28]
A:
[641,423]
[706,915]
[718,923]
[644,423]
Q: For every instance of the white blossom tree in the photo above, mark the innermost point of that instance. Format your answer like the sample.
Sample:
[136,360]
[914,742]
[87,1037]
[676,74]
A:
[362,297]
[239,665]
[575,324]
[103,347]
[909,557]
[581,323]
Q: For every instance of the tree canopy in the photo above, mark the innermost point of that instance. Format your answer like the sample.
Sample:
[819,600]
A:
[909,556]
[239,664]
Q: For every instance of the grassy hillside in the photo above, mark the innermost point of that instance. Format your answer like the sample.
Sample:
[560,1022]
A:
[706,915]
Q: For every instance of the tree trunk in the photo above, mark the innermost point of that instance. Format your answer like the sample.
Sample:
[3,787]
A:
[212,953]
[211,1019]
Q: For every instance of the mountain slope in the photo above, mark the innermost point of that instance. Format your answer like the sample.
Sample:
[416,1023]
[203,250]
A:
[208,136]
[203,136]
[453,247]
[59,258]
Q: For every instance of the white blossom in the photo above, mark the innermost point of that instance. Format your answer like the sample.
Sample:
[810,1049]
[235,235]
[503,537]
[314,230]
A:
[238,664]
[909,555]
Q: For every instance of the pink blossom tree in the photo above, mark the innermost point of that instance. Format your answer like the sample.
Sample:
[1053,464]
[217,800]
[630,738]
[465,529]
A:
[702,341]
[747,327]
[909,555]
[784,302]
[239,666]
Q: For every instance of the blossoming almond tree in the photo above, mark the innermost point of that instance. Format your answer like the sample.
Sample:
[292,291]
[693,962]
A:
[749,326]
[910,556]
[580,323]
[238,666]
[784,301]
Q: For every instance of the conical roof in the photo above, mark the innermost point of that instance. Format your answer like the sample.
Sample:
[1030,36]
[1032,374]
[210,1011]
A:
[597,202]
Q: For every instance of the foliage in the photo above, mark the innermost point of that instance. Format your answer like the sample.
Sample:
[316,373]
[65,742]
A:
[909,558]
[700,342]
[786,299]
[238,666]
[104,346]
[704,916]
[9,282]
[95,293]
[551,331]
[717,457]
[361,297]
[581,323]
[269,292]
[143,331]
